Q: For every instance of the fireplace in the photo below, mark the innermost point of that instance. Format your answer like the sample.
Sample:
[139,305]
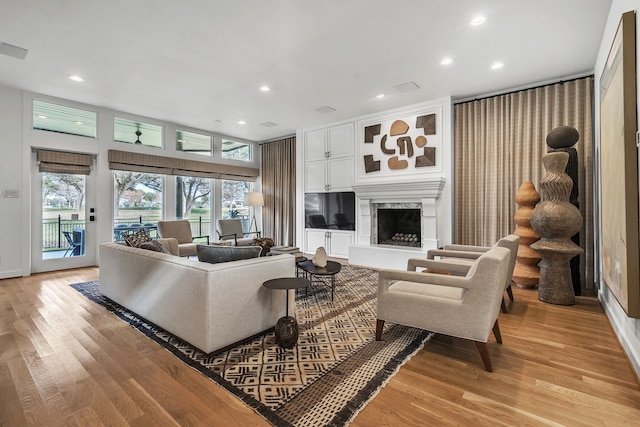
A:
[398,225]
[385,209]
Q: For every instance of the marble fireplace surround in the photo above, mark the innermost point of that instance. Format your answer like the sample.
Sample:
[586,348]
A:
[421,194]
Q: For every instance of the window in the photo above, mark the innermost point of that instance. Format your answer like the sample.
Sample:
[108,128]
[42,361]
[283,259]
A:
[56,118]
[233,201]
[137,202]
[236,150]
[193,202]
[190,142]
[134,132]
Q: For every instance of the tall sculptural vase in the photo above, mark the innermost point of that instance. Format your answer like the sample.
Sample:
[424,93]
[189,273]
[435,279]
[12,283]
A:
[556,220]
[526,273]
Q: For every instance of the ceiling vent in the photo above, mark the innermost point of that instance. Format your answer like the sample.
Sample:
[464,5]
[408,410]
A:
[11,50]
[407,87]
[268,124]
[326,109]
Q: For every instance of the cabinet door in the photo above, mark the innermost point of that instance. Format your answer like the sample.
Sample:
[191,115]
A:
[340,174]
[315,239]
[315,145]
[315,177]
[339,244]
[341,140]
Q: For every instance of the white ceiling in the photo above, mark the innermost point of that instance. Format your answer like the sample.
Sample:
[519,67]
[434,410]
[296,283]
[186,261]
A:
[201,63]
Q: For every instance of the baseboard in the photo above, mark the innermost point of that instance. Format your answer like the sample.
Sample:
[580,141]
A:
[623,326]
[10,273]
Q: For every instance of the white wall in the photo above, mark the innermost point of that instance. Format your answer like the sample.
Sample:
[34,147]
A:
[627,329]
[18,139]
[11,178]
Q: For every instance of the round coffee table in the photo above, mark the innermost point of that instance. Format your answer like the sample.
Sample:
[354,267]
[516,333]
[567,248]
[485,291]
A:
[310,270]
[287,327]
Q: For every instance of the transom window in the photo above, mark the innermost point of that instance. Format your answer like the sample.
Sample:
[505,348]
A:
[58,118]
[236,150]
[134,132]
[190,142]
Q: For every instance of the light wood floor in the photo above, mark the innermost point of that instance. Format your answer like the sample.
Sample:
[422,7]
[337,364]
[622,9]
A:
[64,360]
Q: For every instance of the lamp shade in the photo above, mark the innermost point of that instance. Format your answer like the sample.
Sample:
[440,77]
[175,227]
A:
[253,199]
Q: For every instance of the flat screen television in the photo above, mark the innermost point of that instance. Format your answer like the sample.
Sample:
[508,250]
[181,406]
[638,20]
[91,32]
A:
[331,211]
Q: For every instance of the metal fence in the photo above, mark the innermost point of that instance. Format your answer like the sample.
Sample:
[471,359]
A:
[53,238]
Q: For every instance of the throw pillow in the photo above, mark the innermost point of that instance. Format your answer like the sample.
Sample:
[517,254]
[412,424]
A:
[135,239]
[155,246]
[214,254]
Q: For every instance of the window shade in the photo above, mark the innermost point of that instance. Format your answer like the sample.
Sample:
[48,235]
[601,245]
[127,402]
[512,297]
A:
[139,162]
[62,162]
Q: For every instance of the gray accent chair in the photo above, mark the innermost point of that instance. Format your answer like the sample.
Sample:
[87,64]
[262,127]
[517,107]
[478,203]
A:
[231,229]
[467,254]
[460,306]
[181,231]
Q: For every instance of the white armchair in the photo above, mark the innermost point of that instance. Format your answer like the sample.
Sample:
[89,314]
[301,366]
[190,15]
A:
[466,254]
[181,231]
[231,229]
[460,306]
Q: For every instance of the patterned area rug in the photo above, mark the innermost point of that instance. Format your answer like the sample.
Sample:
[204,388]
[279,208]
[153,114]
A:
[335,369]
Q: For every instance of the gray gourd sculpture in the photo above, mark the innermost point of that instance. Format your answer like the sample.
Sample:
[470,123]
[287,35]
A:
[556,220]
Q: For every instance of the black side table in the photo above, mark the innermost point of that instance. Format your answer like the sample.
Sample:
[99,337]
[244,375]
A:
[310,270]
[287,326]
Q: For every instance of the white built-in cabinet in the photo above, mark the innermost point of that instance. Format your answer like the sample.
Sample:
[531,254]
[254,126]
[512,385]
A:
[328,159]
[336,243]
[329,167]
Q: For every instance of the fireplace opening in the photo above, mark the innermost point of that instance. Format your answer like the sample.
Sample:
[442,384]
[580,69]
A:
[399,227]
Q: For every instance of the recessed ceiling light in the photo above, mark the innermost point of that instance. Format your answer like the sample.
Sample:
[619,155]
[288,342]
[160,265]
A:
[40,116]
[76,78]
[265,88]
[446,61]
[380,95]
[242,122]
[497,65]
[478,20]
[78,122]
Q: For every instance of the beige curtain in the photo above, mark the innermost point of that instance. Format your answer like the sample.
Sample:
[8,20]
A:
[279,189]
[499,143]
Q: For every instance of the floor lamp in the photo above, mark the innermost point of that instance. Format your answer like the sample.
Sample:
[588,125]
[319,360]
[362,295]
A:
[253,199]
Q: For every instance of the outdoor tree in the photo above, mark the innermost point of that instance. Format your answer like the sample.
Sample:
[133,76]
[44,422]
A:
[67,186]
[193,189]
[130,181]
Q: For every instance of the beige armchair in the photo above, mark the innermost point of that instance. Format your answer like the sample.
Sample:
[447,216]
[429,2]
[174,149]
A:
[181,231]
[460,306]
[466,254]
[231,229]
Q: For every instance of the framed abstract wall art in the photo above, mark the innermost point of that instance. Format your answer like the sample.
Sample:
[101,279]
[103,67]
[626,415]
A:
[619,169]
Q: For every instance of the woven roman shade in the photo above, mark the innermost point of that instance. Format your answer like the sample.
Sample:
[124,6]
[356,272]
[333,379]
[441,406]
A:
[62,162]
[139,162]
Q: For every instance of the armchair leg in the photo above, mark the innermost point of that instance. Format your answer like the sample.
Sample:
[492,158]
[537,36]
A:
[484,354]
[503,306]
[510,292]
[496,332]
[379,327]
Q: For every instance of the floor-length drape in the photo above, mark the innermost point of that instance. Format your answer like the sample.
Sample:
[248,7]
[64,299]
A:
[279,190]
[499,143]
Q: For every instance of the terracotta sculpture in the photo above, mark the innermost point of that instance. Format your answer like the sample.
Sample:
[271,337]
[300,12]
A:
[526,273]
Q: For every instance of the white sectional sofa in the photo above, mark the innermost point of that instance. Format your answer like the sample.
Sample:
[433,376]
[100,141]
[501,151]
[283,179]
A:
[211,306]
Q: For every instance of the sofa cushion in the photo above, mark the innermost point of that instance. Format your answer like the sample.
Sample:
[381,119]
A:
[215,254]
[137,238]
[155,246]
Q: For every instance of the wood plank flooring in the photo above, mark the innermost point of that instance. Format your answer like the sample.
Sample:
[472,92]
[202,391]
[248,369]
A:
[65,361]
